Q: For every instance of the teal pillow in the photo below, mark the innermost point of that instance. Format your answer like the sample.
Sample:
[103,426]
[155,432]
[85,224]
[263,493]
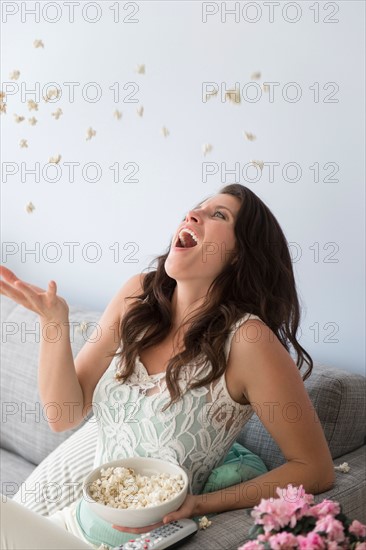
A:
[239,465]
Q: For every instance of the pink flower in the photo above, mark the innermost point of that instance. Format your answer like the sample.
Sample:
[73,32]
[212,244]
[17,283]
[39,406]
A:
[286,510]
[332,527]
[263,538]
[325,508]
[293,494]
[333,545]
[358,529]
[283,541]
[312,541]
[298,499]
[275,515]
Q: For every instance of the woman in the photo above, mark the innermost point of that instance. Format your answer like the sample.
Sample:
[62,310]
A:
[206,339]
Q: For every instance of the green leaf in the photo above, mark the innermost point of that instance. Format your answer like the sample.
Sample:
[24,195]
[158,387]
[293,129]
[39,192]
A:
[254,531]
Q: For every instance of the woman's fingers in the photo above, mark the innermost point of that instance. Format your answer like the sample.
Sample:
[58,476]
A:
[7,275]
[12,279]
[138,530]
[34,298]
[17,295]
[30,296]
[34,288]
[38,289]
[44,302]
[27,289]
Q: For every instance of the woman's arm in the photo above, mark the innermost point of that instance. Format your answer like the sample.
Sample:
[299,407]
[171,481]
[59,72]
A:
[66,386]
[272,383]
[71,383]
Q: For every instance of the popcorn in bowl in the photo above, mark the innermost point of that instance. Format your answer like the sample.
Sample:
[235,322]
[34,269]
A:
[135,491]
[121,487]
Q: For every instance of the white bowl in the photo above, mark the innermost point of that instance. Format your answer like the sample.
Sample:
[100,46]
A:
[143,516]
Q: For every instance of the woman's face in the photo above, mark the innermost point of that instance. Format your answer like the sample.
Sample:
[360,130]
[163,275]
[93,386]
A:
[212,222]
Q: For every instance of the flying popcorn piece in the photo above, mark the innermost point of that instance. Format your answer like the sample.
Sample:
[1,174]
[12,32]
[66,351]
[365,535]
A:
[249,136]
[165,131]
[23,143]
[140,69]
[265,87]
[53,92]
[18,118]
[233,96]
[54,160]
[206,148]
[2,104]
[32,105]
[30,207]
[204,522]
[343,467]
[117,114]
[57,113]
[258,163]
[32,121]
[82,326]
[38,44]
[90,133]
[140,110]
[255,76]
[14,75]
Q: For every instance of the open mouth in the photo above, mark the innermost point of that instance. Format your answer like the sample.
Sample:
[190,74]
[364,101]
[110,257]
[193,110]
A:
[186,239]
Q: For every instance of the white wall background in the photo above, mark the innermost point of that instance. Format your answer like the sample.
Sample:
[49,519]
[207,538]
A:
[324,219]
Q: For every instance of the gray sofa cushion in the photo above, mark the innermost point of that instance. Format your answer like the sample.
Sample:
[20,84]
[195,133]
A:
[339,397]
[24,427]
[14,469]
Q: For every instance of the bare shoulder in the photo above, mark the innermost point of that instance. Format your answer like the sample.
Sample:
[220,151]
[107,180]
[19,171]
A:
[253,336]
[257,355]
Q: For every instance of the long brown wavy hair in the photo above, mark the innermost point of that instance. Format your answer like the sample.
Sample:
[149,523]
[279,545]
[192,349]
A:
[260,281]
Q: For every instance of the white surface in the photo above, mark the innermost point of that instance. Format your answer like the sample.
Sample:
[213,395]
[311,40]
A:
[181,52]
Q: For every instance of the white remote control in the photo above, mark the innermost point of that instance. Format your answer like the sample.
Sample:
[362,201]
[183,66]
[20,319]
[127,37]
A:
[171,535]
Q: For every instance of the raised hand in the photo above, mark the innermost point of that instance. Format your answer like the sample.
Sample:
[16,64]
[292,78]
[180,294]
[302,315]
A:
[46,303]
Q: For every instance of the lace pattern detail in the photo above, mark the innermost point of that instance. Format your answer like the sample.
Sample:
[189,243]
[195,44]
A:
[196,432]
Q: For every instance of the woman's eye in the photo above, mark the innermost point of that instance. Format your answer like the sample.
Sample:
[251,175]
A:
[220,213]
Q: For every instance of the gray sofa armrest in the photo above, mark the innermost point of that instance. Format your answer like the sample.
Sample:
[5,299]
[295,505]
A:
[350,487]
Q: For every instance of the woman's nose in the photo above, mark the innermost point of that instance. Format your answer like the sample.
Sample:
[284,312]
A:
[191,214]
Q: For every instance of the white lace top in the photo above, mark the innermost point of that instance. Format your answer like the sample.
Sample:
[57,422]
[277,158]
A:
[196,432]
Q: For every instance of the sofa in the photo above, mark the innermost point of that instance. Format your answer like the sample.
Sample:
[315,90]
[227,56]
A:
[339,398]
